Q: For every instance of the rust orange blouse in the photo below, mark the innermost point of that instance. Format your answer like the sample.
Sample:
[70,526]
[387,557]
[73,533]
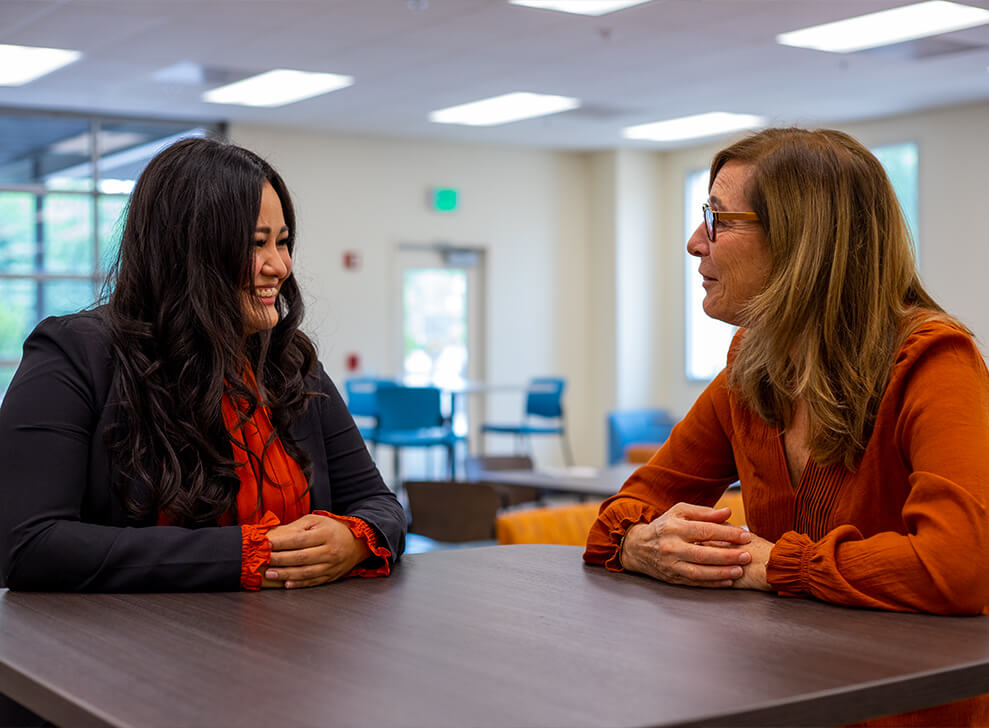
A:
[283,497]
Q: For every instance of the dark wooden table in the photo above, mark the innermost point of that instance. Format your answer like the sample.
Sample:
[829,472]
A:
[500,636]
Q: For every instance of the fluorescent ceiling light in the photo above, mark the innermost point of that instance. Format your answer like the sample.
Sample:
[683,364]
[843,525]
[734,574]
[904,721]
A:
[581,7]
[887,27]
[277,88]
[503,109]
[22,64]
[693,127]
[108,141]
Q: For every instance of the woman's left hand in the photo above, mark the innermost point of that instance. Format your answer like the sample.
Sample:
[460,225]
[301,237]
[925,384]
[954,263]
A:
[312,550]
[754,572]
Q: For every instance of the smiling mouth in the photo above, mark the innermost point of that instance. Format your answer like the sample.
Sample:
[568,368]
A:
[265,292]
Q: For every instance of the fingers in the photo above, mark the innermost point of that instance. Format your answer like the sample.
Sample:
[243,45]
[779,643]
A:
[700,513]
[301,557]
[715,555]
[293,538]
[295,576]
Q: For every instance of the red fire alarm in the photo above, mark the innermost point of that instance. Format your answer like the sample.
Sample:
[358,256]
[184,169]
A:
[353,362]
[351,260]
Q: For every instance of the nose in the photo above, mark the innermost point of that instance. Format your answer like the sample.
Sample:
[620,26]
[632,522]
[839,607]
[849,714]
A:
[698,244]
[272,262]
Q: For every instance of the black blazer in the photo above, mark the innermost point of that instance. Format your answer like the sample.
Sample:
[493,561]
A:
[64,528]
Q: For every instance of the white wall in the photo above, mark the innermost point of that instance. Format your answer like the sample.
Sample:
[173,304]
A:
[953,147]
[585,250]
[527,208]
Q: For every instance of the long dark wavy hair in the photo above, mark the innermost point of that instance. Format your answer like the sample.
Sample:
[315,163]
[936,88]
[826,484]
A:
[177,320]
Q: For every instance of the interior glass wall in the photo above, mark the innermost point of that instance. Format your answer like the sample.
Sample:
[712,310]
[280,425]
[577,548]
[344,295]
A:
[64,184]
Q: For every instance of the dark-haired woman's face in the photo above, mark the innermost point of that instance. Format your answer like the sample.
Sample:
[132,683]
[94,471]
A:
[272,264]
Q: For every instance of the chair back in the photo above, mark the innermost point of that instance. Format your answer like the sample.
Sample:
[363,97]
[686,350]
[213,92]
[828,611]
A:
[568,525]
[362,395]
[627,427]
[409,408]
[545,397]
[453,511]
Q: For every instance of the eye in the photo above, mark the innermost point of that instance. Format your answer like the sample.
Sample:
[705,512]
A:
[284,241]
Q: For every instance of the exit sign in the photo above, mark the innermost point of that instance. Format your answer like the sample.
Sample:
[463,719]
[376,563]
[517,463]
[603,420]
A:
[445,199]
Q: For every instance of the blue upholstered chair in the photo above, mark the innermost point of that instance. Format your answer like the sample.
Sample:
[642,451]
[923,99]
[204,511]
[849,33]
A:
[643,426]
[543,415]
[362,401]
[413,417]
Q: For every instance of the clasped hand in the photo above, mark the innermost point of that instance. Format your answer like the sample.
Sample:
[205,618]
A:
[310,551]
[693,545]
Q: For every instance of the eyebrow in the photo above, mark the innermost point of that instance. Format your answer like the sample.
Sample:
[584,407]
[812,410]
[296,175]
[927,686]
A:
[715,200]
[265,229]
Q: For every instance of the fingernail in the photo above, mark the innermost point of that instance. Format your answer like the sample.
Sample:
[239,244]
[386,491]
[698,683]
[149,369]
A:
[736,572]
[289,584]
[745,557]
[746,537]
[271,574]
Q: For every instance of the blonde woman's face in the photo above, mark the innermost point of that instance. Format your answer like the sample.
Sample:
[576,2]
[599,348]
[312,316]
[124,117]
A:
[736,266]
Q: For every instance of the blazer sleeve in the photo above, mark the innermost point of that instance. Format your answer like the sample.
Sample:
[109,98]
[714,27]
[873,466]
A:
[938,563]
[356,486]
[48,423]
[695,465]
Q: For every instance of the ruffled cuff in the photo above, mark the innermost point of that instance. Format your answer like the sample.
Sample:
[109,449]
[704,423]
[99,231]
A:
[361,530]
[787,569]
[255,551]
[606,536]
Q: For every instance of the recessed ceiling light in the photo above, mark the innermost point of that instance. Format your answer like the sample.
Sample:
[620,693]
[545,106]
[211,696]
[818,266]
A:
[277,88]
[887,27]
[503,109]
[693,127]
[580,7]
[22,64]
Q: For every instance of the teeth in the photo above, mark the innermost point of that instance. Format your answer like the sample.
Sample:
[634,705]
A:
[266,292]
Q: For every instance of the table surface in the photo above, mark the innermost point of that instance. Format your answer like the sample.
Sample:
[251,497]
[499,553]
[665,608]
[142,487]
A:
[499,636]
[580,480]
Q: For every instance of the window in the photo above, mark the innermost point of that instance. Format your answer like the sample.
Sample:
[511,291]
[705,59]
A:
[64,184]
[707,340]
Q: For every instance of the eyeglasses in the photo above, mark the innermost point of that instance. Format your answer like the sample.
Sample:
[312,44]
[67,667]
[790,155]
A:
[711,218]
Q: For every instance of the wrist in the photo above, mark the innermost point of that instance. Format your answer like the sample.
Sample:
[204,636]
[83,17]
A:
[625,553]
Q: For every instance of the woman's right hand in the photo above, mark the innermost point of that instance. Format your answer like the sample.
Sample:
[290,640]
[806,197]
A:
[689,545]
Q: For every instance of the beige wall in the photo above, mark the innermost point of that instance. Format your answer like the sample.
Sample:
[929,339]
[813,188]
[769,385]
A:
[585,250]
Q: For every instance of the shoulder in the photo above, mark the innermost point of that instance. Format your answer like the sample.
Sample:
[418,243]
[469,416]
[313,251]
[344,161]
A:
[84,335]
[940,342]
[318,380]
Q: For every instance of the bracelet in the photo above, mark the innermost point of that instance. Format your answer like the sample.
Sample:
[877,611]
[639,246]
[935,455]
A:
[621,545]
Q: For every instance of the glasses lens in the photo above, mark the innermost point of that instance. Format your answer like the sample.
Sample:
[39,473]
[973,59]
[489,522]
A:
[709,222]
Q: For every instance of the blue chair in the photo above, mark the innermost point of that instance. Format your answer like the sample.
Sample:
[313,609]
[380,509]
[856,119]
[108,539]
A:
[413,417]
[362,401]
[628,427]
[543,400]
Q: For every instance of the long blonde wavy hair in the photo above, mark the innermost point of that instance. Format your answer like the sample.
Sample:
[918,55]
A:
[843,291]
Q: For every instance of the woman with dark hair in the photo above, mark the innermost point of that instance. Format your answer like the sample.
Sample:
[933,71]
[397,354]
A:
[184,436]
[853,410]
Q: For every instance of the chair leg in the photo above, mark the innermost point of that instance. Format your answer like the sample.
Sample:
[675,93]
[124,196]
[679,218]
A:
[451,456]
[567,452]
[397,468]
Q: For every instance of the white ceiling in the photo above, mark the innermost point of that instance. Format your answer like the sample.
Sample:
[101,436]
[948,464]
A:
[665,59]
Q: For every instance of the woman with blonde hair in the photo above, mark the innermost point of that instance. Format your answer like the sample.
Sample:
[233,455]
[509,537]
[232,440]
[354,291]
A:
[853,410]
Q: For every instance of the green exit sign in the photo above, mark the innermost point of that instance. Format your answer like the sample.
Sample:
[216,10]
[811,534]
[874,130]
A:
[445,199]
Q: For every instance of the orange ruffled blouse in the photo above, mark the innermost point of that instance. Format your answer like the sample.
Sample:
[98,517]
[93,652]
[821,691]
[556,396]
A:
[284,497]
